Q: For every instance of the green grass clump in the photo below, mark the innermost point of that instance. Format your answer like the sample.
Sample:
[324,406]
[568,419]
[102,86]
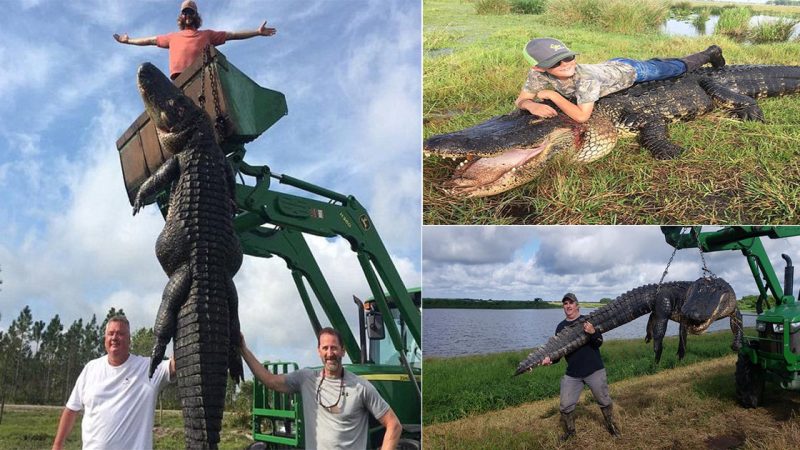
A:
[734,22]
[777,31]
[617,16]
[459,387]
[495,7]
[528,6]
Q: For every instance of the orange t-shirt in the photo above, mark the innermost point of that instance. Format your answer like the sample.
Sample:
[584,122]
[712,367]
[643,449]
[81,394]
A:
[186,45]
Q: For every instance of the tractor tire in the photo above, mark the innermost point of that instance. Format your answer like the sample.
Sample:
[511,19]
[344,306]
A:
[409,444]
[749,382]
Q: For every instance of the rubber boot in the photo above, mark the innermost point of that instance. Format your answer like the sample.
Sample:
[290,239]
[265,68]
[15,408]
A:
[568,425]
[611,425]
[711,55]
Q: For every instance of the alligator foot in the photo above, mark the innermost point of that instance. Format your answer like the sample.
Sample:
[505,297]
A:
[157,356]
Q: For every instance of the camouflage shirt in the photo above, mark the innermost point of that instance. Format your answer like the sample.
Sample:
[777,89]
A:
[590,82]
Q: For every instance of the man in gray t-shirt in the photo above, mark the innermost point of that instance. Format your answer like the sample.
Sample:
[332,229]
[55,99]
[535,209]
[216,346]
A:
[336,403]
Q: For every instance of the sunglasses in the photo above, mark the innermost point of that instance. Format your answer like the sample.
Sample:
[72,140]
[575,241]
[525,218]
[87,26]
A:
[188,12]
[565,60]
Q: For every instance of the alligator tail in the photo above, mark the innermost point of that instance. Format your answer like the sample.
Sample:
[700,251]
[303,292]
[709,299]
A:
[625,308]
[201,358]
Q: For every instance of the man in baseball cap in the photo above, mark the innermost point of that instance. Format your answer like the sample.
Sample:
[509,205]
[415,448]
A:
[186,45]
[569,297]
[584,367]
[555,76]
[546,52]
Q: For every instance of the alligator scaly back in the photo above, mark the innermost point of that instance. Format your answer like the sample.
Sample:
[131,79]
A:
[625,308]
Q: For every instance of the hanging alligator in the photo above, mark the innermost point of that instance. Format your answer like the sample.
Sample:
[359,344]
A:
[695,305]
[200,252]
[510,150]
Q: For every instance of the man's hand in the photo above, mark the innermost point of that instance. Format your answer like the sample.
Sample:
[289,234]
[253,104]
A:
[264,31]
[121,38]
[547,361]
[539,109]
[588,328]
[547,94]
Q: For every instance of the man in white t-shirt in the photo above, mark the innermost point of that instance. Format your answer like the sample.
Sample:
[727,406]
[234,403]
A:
[118,396]
[336,403]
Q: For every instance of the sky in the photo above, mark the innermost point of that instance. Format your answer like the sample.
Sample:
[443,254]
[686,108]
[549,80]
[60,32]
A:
[594,262]
[351,74]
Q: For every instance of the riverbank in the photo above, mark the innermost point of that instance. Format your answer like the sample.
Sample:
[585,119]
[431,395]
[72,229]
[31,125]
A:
[461,387]
[686,407]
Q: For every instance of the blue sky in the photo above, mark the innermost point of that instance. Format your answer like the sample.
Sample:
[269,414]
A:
[522,263]
[351,74]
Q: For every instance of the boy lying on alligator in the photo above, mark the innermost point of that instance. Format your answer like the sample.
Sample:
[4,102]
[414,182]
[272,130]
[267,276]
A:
[509,151]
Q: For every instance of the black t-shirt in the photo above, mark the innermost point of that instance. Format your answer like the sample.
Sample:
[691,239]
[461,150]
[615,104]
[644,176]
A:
[585,360]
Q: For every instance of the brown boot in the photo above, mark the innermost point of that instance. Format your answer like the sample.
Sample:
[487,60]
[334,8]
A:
[711,55]
[611,425]
[568,425]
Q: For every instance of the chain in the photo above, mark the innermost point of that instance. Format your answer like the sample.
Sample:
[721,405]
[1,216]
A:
[202,98]
[707,273]
[666,269]
[220,123]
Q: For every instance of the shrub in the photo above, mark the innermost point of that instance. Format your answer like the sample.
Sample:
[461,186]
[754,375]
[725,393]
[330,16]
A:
[497,7]
[734,22]
[616,16]
[775,31]
[528,6]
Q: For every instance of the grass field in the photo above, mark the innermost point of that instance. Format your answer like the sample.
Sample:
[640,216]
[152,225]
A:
[34,428]
[461,387]
[686,407]
[731,171]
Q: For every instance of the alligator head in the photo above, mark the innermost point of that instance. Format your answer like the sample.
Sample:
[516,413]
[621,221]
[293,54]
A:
[707,300]
[510,150]
[175,115]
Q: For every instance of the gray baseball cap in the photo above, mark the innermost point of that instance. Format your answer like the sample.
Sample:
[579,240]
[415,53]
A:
[569,296]
[546,52]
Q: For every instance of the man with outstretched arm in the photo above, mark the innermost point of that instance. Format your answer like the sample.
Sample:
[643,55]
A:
[186,45]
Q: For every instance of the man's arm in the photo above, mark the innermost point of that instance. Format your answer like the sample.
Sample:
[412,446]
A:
[270,380]
[64,428]
[125,39]
[527,101]
[579,113]
[393,430]
[172,367]
[260,31]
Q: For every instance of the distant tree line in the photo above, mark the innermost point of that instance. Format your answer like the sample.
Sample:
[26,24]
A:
[469,303]
[784,2]
[39,362]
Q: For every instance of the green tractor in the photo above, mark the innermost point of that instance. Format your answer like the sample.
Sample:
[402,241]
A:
[271,223]
[774,353]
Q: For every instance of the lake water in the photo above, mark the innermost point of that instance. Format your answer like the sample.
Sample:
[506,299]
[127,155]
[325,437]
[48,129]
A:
[684,27]
[458,332]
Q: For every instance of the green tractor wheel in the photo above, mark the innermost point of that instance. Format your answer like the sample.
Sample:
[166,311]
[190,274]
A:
[749,382]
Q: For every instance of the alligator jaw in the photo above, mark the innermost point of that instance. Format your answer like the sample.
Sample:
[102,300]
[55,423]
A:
[483,177]
[172,113]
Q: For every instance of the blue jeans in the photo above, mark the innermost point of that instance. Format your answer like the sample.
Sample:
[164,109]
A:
[655,69]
